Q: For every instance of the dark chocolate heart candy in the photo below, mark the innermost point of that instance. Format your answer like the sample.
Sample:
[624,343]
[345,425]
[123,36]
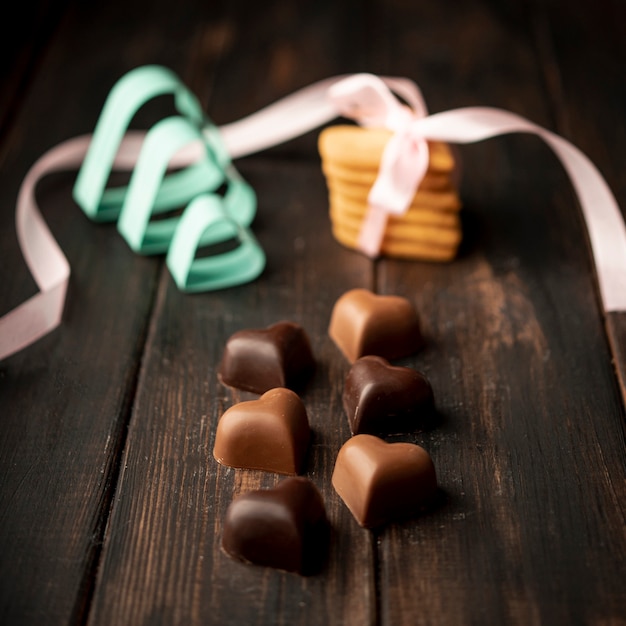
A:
[383,399]
[270,434]
[285,527]
[381,482]
[365,323]
[260,359]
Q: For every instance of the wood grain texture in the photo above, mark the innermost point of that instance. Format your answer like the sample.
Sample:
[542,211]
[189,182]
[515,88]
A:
[616,333]
[163,544]
[66,400]
[572,69]
[111,504]
[530,460]
[185,577]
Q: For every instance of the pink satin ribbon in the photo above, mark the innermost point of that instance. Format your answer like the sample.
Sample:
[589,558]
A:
[404,162]
[369,101]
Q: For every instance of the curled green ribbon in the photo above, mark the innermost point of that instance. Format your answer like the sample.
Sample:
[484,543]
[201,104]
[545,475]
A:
[208,217]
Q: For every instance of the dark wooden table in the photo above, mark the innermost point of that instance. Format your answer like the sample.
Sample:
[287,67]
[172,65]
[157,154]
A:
[111,504]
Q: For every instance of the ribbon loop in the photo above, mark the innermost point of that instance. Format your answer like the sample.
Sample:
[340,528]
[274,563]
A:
[189,141]
[126,97]
[366,99]
[205,221]
[140,202]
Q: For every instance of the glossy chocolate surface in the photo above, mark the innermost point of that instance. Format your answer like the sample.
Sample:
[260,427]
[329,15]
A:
[260,359]
[382,482]
[270,434]
[383,399]
[364,323]
[285,527]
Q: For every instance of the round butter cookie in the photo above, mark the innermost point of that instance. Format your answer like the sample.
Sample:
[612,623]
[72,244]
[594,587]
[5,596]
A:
[443,201]
[416,250]
[432,181]
[340,206]
[361,148]
[401,231]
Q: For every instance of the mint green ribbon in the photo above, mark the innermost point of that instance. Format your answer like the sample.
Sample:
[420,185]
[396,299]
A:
[208,217]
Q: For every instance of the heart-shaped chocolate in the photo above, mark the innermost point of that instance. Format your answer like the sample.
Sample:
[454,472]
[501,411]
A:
[260,359]
[380,482]
[270,434]
[285,527]
[365,323]
[383,399]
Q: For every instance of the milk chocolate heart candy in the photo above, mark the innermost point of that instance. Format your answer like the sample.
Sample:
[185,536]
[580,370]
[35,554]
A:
[285,527]
[380,482]
[270,434]
[260,359]
[380,398]
[365,323]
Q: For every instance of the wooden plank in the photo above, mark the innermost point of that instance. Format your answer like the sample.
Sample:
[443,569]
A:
[162,554]
[162,559]
[527,394]
[530,448]
[65,400]
[572,70]
[616,333]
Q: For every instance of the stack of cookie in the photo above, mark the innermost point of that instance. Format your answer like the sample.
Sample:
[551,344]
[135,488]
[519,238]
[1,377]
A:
[429,230]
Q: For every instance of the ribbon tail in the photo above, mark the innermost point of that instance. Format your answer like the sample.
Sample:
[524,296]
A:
[42,313]
[373,231]
[603,219]
[403,164]
[32,320]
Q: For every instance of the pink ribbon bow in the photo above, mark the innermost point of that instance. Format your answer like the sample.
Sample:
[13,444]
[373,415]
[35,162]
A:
[366,99]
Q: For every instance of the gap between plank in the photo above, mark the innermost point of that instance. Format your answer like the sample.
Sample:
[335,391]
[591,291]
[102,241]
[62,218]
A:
[82,608]
[377,578]
[614,323]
